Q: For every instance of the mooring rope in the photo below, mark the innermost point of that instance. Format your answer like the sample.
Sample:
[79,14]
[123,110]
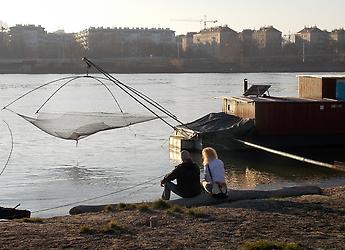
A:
[10,154]
[98,197]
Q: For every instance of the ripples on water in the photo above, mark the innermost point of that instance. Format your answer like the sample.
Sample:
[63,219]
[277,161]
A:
[45,171]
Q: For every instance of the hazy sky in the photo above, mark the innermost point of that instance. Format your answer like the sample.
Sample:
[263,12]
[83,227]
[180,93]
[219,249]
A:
[75,15]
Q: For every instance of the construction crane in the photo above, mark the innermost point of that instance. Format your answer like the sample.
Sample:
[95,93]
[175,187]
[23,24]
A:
[204,21]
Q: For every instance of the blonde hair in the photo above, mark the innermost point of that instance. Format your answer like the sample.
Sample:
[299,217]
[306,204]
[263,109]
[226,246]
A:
[208,154]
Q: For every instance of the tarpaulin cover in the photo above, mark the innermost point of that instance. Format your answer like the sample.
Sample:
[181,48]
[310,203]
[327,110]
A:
[215,122]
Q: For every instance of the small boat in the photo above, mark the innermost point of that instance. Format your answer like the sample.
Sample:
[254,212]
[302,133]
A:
[315,118]
[13,213]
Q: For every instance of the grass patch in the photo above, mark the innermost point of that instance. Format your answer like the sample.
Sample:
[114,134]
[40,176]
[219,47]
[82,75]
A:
[197,212]
[109,208]
[175,209]
[160,204]
[143,208]
[86,230]
[268,245]
[119,207]
[124,206]
[112,227]
[33,220]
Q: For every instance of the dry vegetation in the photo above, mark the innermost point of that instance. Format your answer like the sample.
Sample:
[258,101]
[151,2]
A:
[306,222]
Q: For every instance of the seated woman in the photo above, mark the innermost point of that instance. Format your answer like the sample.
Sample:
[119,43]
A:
[187,175]
[214,174]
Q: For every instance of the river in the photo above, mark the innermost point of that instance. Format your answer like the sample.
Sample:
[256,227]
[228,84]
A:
[46,172]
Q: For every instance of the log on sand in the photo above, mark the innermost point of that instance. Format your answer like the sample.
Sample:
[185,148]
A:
[206,199]
[236,195]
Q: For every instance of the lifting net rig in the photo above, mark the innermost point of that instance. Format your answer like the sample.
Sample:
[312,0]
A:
[79,125]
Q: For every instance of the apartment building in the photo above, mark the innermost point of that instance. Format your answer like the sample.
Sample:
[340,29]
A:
[220,42]
[61,45]
[313,37]
[93,36]
[4,39]
[268,38]
[27,39]
[187,41]
[338,35]
[246,35]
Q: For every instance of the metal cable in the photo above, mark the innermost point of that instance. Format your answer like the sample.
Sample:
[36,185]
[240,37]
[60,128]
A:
[70,79]
[41,86]
[125,88]
[141,95]
[97,197]
[77,77]
[57,90]
[9,156]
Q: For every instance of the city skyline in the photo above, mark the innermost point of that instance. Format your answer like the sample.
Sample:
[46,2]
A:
[77,15]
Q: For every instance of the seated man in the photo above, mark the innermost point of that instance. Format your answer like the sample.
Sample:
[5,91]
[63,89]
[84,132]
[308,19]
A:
[187,175]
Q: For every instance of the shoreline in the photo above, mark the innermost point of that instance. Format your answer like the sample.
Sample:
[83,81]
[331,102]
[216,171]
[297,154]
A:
[161,65]
[308,222]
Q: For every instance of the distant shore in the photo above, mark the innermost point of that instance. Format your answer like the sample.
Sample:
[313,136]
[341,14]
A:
[160,65]
[306,222]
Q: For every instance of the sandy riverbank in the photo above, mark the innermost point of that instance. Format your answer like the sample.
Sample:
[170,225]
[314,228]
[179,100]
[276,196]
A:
[311,222]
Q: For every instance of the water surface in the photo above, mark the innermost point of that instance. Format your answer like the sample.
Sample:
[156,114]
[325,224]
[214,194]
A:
[45,172]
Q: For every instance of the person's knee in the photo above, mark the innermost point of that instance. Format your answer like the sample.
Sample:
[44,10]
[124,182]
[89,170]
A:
[169,184]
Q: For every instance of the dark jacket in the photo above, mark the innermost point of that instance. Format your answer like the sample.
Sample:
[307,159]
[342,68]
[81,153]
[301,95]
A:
[187,175]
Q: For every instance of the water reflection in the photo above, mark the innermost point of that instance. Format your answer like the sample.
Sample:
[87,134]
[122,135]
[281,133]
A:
[82,174]
[254,169]
[249,179]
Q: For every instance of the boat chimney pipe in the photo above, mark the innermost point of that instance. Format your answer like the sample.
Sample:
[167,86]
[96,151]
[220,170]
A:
[245,85]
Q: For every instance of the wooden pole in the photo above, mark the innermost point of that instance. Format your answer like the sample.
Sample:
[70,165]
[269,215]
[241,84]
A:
[338,167]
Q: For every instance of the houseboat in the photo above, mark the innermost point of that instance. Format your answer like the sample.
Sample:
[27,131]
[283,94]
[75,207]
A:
[315,118]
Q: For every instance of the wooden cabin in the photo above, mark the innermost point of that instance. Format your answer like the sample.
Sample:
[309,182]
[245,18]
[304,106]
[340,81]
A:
[319,109]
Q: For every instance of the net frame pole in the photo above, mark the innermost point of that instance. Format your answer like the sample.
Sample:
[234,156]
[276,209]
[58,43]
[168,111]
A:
[121,86]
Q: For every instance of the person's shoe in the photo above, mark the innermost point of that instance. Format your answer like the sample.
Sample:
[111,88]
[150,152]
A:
[165,196]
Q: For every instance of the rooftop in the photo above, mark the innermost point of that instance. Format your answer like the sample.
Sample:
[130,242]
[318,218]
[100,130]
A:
[218,29]
[269,28]
[324,76]
[341,30]
[310,29]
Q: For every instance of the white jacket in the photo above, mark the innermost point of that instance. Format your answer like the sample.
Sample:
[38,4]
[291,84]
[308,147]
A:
[217,170]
